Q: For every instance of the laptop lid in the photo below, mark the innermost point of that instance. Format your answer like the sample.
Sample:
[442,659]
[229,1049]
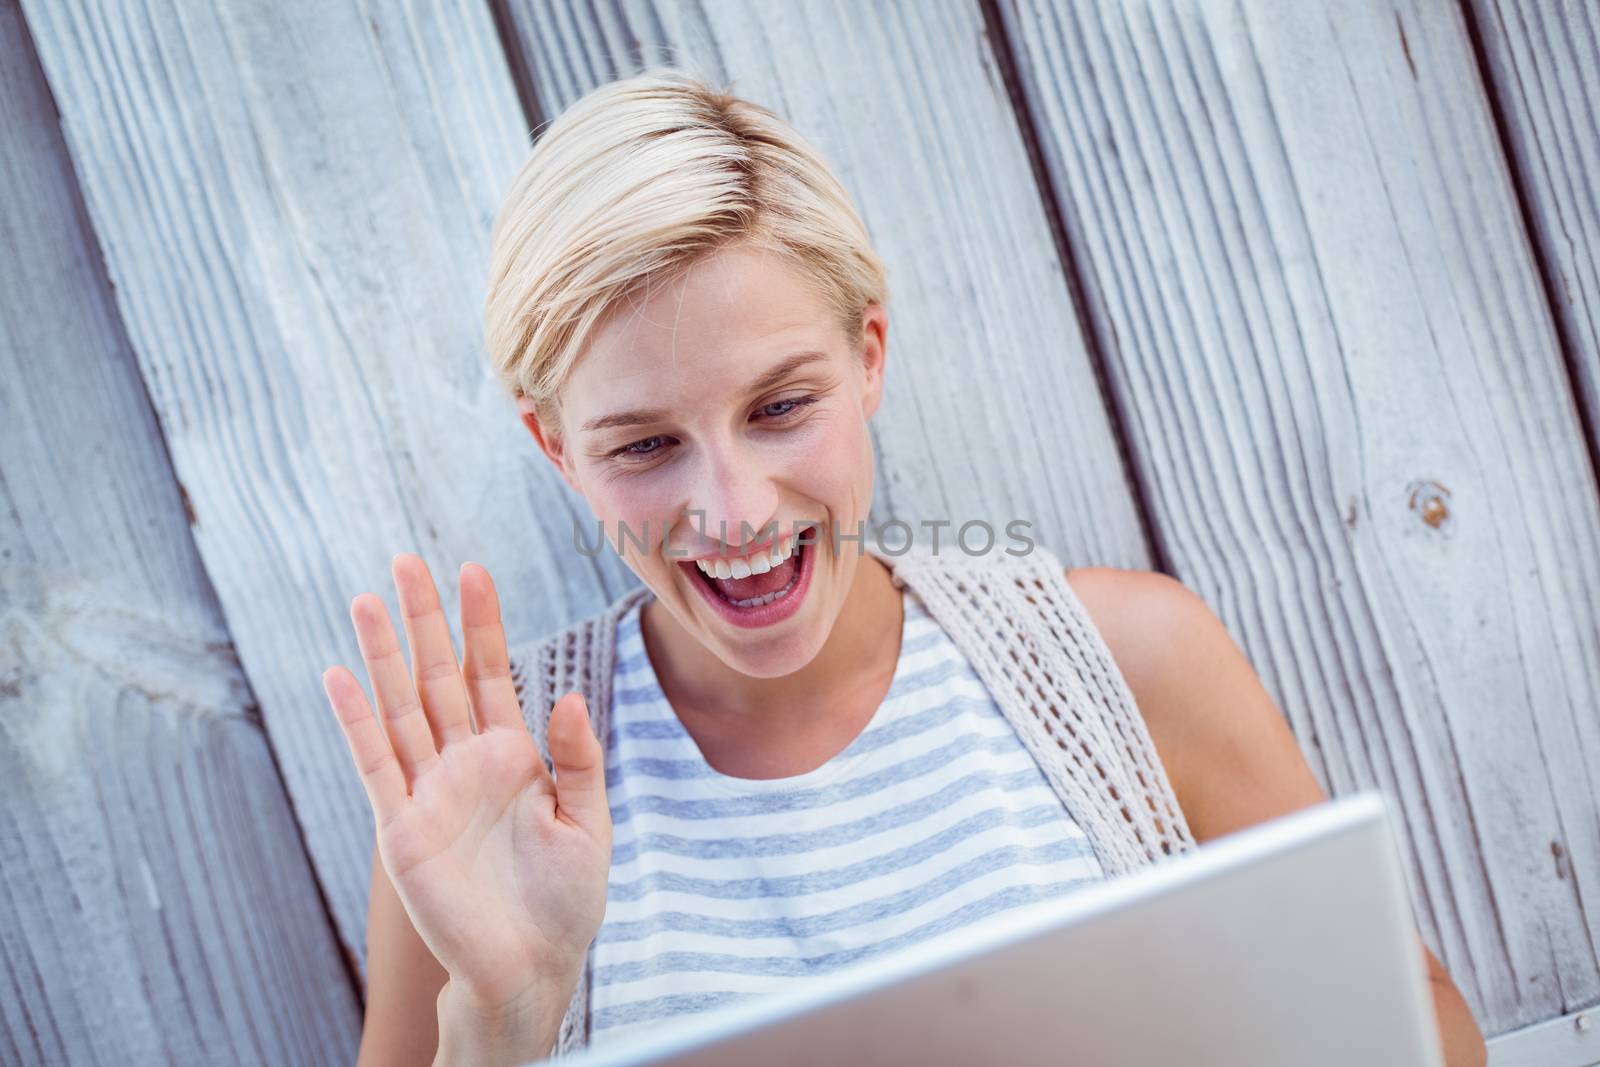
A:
[1291,941]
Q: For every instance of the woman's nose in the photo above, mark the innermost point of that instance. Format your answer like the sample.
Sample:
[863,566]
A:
[733,495]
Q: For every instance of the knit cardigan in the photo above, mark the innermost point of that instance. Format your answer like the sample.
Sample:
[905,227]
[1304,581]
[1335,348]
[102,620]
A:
[1028,637]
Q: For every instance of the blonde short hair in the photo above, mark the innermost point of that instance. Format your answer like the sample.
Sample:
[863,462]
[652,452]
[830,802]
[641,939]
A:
[638,180]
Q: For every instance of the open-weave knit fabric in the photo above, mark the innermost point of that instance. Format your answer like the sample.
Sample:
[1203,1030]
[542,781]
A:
[1031,642]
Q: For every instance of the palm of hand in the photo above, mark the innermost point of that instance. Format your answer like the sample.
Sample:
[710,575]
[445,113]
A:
[483,839]
[501,868]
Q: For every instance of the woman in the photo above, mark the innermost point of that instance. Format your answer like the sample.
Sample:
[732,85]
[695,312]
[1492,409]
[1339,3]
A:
[812,752]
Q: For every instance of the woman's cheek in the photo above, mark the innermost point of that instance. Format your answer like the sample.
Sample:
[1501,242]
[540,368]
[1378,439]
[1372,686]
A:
[662,497]
[824,459]
[637,504]
[825,436]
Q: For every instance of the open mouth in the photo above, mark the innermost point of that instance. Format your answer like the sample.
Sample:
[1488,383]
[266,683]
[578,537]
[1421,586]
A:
[762,588]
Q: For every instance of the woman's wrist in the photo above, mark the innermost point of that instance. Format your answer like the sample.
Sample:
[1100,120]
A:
[474,1034]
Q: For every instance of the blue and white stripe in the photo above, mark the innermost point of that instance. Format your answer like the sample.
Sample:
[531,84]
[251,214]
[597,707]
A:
[722,888]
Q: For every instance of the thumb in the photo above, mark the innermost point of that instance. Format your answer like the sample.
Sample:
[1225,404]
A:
[579,765]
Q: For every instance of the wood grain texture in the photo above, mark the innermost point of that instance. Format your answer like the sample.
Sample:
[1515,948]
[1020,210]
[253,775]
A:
[156,903]
[991,409]
[294,203]
[1328,339]
[1543,71]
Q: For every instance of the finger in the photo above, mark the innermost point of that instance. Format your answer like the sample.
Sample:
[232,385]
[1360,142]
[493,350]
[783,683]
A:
[579,765]
[486,663]
[369,745]
[433,654]
[401,711]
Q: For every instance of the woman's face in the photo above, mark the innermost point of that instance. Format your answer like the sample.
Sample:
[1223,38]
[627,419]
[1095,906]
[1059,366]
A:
[715,417]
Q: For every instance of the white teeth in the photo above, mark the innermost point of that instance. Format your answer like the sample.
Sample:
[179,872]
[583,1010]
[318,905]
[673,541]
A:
[778,594]
[760,563]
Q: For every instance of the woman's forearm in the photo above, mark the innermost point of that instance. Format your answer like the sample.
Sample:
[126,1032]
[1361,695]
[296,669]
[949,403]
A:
[1458,1030]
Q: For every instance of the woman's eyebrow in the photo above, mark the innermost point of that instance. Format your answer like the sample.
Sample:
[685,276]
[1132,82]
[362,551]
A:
[625,418]
[785,367]
[643,416]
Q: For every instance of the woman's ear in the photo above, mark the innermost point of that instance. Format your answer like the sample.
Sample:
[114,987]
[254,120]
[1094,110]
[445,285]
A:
[549,439]
[874,350]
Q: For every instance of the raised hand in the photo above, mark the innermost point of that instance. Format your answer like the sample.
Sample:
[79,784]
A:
[501,869]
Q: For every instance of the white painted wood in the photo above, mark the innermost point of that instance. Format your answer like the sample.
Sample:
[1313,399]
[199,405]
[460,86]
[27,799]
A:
[294,202]
[1305,262]
[1544,71]
[1570,1041]
[156,903]
[1327,342]
[992,410]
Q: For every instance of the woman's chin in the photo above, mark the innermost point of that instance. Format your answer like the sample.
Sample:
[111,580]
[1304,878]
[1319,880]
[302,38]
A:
[765,653]
[774,657]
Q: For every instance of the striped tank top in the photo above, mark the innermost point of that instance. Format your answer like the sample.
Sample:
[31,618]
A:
[723,888]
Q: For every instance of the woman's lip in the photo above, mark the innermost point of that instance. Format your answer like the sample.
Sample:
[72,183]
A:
[760,546]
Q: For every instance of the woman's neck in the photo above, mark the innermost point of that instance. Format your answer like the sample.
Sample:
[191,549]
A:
[752,727]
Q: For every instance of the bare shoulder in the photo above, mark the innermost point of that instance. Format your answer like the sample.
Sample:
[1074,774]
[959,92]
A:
[1228,750]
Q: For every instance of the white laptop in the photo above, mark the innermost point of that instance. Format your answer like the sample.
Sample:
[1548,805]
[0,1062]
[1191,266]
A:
[1289,942]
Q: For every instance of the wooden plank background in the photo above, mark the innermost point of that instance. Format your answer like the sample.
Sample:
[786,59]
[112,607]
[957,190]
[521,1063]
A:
[1293,303]
[1324,324]
[157,905]
[1543,72]
[299,261]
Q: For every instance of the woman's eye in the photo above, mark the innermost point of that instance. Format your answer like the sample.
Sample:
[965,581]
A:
[793,405]
[640,449]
